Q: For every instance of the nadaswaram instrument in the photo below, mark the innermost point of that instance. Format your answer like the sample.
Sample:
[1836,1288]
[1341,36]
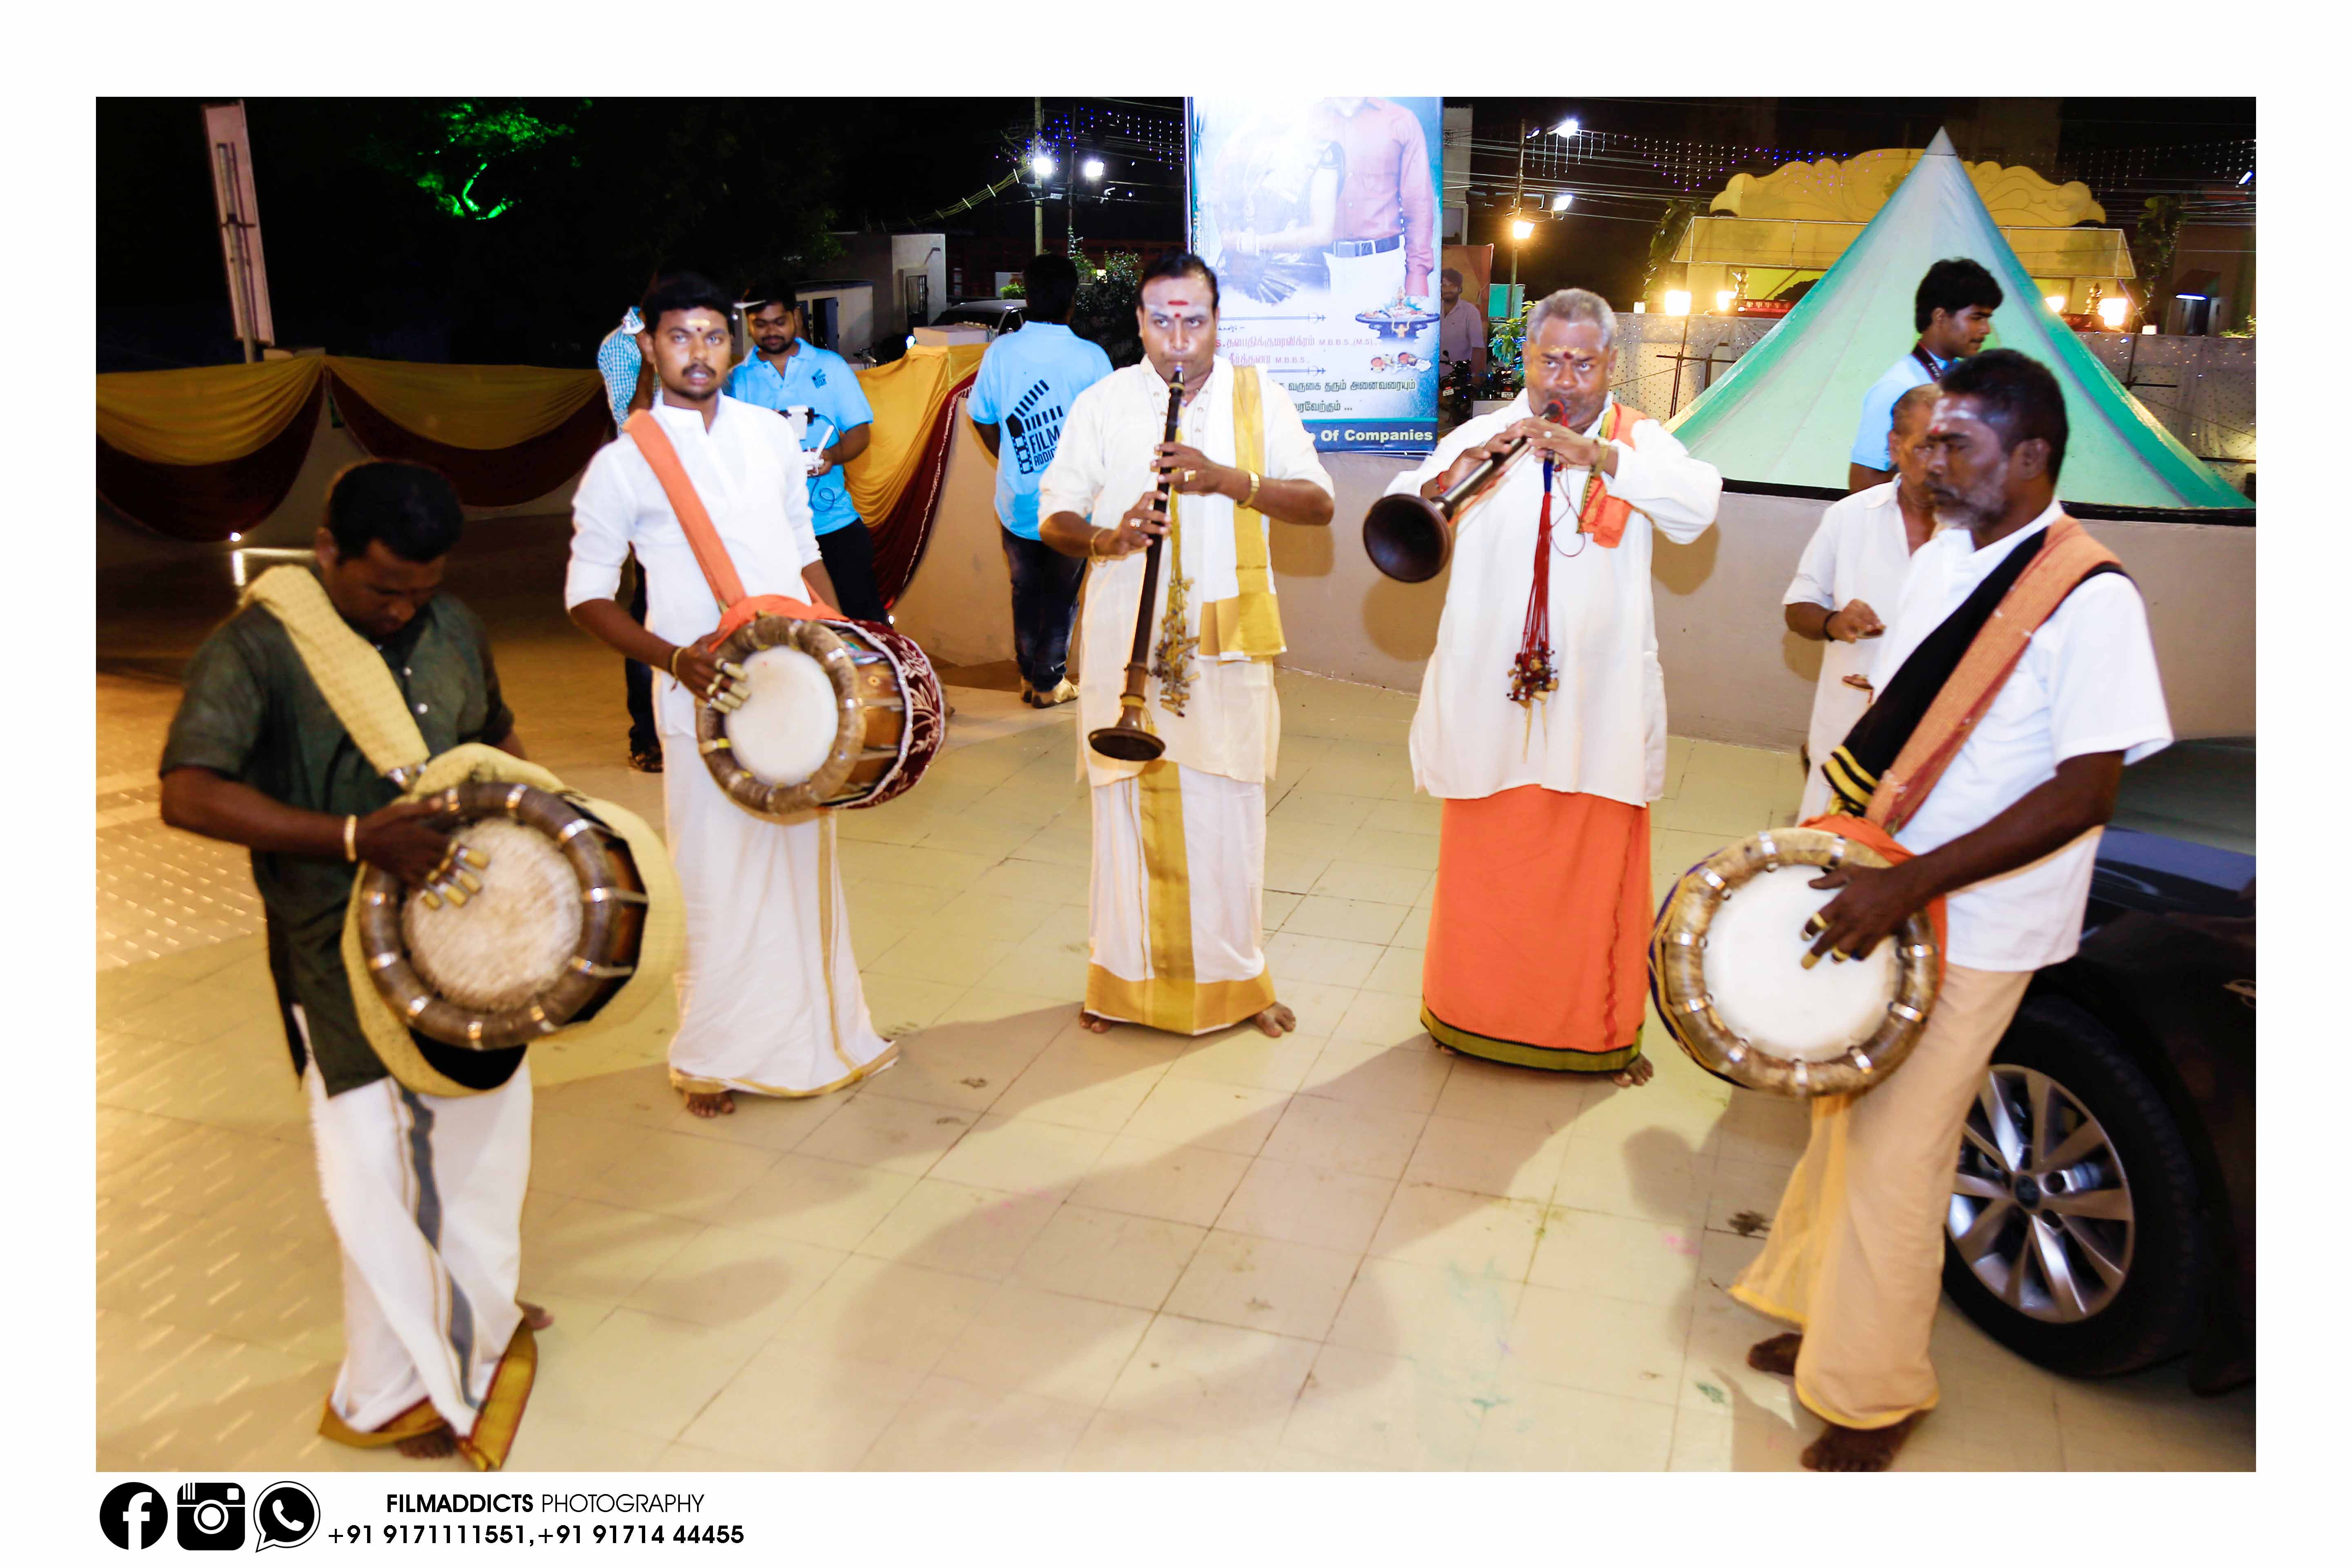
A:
[1410,538]
[541,933]
[835,713]
[1728,974]
[1128,741]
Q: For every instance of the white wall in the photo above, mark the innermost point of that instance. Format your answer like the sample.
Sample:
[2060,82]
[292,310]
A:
[1734,672]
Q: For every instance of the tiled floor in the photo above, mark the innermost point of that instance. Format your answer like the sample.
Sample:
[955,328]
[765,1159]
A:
[1026,1246]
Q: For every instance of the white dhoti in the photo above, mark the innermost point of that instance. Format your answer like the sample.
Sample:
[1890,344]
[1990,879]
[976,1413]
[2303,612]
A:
[1175,907]
[425,1196]
[1857,1253]
[768,999]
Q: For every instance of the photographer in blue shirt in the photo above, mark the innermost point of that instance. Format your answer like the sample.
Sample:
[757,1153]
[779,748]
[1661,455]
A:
[788,372]
[1027,381]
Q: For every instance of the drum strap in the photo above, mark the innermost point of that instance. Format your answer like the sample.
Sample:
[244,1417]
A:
[351,675]
[710,550]
[1896,751]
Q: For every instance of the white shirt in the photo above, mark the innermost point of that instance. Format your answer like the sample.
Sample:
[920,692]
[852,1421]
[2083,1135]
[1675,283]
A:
[1861,550]
[1462,333]
[1103,466]
[751,475]
[2086,684]
[1603,731]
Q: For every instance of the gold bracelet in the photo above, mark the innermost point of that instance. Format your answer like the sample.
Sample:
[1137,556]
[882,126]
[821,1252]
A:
[675,650]
[1253,492]
[351,839]
[1094,541]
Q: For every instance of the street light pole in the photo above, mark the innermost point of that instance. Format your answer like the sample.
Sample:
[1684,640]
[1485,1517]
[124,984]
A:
[1036,135]
[1518,189]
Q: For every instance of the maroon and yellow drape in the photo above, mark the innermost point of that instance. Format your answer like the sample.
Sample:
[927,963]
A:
[203,453]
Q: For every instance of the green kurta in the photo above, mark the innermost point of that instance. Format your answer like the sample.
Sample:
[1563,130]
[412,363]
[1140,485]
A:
[251,712]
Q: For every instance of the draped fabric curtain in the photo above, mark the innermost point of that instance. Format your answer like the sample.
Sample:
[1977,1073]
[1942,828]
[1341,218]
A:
[896,482]
[203,453]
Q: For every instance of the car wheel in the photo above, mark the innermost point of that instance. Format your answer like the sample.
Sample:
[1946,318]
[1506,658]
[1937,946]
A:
[2072,1234]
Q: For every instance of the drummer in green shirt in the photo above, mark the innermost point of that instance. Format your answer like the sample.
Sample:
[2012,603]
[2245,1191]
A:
[256,756]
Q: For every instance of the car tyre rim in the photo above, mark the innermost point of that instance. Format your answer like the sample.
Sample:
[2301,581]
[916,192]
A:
[2040,1210]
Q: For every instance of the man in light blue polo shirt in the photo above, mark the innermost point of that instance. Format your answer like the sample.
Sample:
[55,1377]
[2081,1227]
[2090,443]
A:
[1953,314]
[786,373]
[1027,381]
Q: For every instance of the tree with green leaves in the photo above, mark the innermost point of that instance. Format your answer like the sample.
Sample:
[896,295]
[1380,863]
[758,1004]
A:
[1105,313]
[2155,240]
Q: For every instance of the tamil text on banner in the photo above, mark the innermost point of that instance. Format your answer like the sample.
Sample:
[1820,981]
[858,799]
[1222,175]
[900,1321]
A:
[1321,217]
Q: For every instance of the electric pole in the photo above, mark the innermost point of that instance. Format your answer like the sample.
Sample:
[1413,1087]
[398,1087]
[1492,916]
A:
[1037,137]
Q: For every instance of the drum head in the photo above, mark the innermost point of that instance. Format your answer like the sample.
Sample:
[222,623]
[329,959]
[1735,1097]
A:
[1754,968]
[1727,971]
[791,720]
[509,942]
[553,931]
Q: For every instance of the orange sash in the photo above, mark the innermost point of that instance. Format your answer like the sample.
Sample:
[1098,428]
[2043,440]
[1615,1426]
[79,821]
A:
[1602,515]
[710,552]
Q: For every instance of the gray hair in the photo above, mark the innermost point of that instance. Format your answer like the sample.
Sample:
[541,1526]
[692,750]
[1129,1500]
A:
[1913,404]
[1574,305]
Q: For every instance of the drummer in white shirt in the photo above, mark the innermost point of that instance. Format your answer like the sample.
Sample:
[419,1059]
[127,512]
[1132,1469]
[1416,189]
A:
[1854,565]
[2005,832]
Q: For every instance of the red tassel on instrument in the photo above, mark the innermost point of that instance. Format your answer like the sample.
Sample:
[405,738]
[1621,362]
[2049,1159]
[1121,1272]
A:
[1532,676]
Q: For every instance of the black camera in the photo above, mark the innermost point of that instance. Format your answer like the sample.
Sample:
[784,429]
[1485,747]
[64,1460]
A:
[212,1516]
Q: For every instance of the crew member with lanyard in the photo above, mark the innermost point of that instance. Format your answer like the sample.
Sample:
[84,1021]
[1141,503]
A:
[1953,315]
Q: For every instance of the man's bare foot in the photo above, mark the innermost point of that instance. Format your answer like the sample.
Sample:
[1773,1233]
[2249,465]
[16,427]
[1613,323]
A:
[1850,1448]
[436,1444]
[709,1105]
[1276,1021]
[1093,1023]
[1776,1355]
[540,1318]
[1634,1075]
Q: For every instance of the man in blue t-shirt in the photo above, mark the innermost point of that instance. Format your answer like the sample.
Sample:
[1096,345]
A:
[1953,314]
[787,372]
[1027,381]
[629,386]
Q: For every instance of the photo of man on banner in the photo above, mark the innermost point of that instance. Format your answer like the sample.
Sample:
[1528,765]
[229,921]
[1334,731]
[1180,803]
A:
[1321,217]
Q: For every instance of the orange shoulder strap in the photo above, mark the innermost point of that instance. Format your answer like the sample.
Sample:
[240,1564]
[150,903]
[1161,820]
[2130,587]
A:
[702,534]
[2066,558]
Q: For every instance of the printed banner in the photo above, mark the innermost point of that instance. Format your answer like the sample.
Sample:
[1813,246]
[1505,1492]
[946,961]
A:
[1321,218]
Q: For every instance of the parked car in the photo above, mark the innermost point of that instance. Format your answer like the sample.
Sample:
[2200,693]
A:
[2102,1217]
[999,316]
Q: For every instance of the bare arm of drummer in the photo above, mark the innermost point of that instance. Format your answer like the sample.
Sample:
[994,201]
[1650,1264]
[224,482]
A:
[402,837]
[1876,901]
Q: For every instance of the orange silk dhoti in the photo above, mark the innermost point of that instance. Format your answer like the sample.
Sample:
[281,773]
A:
[1537,935]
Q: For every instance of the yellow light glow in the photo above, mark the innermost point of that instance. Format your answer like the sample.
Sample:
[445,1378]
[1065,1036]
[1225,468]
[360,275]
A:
[1678,301]
[1641,307]
[2057,303]
[1521,228]
[2113,311]
[1723,298]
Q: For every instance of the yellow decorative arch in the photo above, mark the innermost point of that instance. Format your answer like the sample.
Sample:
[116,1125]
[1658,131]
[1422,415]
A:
[1852,190]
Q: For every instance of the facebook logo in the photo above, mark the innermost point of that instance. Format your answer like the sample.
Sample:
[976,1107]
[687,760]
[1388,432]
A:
[1035,426]
[133,1515]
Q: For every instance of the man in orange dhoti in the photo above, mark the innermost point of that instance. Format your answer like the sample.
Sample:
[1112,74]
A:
[1547,756]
